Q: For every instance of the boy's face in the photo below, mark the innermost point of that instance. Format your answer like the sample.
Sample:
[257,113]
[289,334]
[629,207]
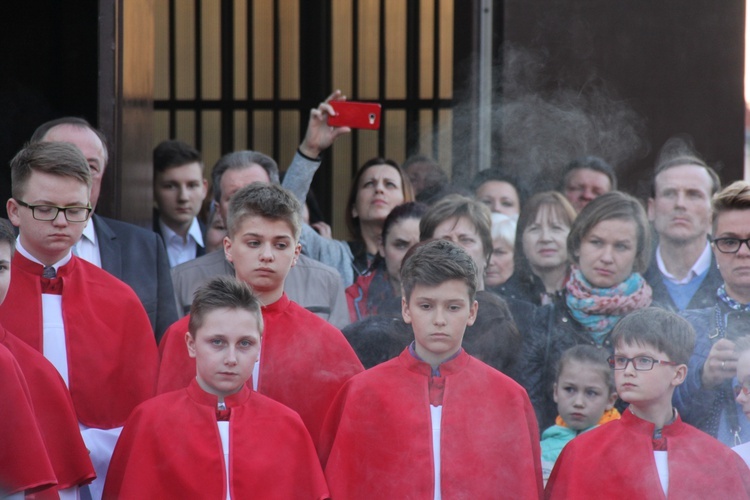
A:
[263,251]
[179,193]
[49,241]
[5,257]
[743,377]
[582,394]
[439,316]
[462,232]
[644,389]
[225,349]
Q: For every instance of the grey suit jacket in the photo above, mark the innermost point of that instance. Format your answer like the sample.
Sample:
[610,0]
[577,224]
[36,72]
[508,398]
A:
[313,285]
[137,256]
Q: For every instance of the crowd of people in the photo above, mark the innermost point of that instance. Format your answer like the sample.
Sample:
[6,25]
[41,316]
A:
[474,340]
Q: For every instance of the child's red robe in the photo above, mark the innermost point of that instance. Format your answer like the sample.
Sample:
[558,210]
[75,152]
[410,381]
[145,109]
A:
[171,448]
[616,460]
[304,361]
[377,440]
[24,464]
[55,416]
[112,356]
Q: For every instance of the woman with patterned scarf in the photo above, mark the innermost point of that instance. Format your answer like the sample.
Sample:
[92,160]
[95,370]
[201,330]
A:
[609,245]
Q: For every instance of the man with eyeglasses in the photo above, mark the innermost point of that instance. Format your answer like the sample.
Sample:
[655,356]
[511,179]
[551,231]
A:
[706,399]
[87,323]
[682,273]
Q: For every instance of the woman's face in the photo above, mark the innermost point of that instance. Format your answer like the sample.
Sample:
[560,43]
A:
[401,236]
[379,190]
[545,241]
[608,251]
[500,267]
[501,197]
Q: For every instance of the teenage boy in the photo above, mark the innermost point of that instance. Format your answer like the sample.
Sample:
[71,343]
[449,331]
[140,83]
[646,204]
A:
[179,191]
[304,360]
[87,323]
[217,438]
[53,408]
[434,422]
[650,450]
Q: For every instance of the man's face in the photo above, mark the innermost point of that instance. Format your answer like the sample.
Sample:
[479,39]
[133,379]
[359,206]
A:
[583,185]
[179,193]
[49,241]
[235,179]
[263,251]
[225,349]
[91,147]
[734,267]
[681,206]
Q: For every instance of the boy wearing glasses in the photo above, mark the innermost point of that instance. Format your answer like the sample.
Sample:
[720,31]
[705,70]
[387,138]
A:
[88,324]
[650,450]
[706,399]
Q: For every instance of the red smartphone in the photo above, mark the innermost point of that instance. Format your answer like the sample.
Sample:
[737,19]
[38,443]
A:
[355,115]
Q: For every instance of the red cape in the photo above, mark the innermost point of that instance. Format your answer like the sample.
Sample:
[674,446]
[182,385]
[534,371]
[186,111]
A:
[24,464]
[616,460]
[112,357]
[171,448]
[55,415]
[377,439]
[304,361]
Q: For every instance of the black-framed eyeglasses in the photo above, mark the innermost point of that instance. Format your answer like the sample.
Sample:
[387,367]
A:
[730,245]
[640,363]
[50,212]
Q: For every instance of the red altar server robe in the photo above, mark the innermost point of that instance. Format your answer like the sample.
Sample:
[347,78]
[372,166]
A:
[55,416]
[377,440]
[171,448]
[616,460]
[304,361]
[112,356]
[23,457]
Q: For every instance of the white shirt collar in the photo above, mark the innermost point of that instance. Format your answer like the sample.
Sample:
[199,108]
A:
[194,232]
[699,267]
[25,253]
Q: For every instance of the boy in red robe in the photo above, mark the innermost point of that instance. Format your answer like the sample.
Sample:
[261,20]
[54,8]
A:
[650,452]
[51,401]
[87,323]
[217,438]
[434,422]
[304,360]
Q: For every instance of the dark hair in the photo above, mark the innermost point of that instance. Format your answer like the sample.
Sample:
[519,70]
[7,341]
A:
[42,130]
[664,330]
[613,205]
[240,160]
[679,151]
[378,338]
[8,235]
[589,354]
[494,337]
[409,210]
[223,292]
[558,205]
[735,196]
[55,158]
[590,163]
[496,174]
[434,262]
[174,153]
[459,206]
[435,177]
[269,201]
[352,223]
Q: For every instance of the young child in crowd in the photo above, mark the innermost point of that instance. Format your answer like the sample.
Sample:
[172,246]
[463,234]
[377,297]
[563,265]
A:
[742,388]
[650,450]
[51,403]
[217,438]
[304,360]
[585,395]
[433,422]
